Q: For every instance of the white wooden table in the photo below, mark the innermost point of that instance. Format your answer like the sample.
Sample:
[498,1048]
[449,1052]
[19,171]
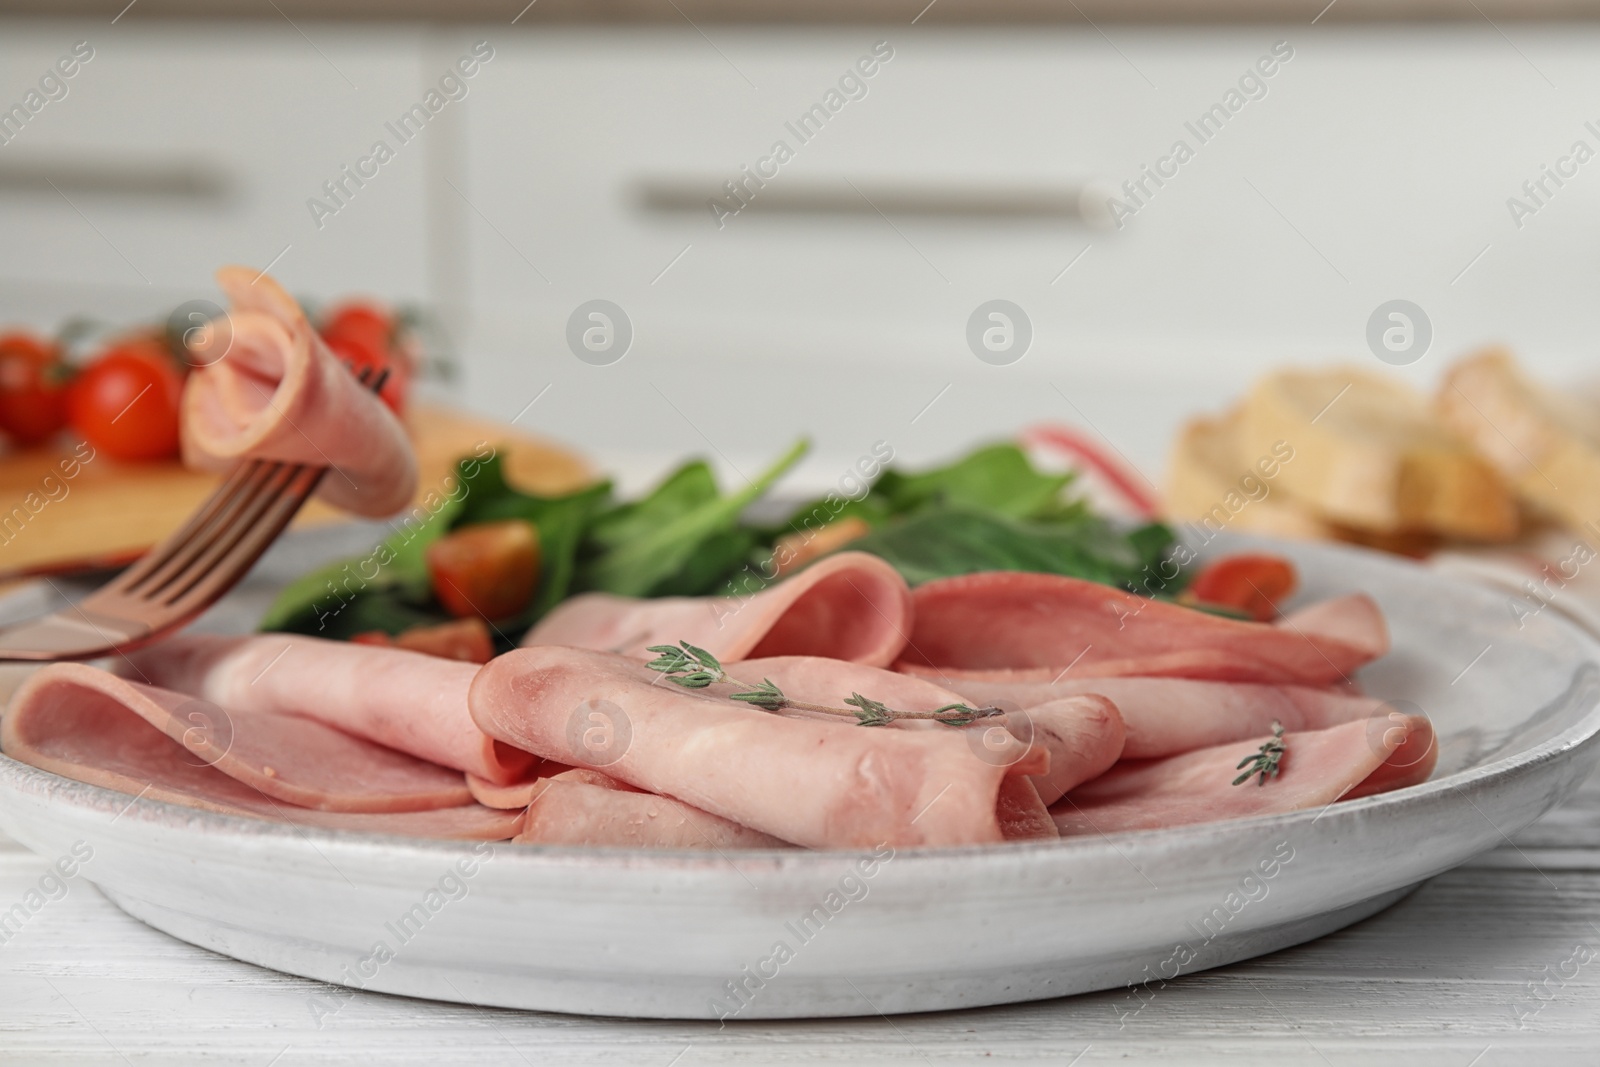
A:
[1444,978]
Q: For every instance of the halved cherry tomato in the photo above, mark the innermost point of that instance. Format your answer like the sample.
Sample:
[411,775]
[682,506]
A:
[464,639]
[1253,583]
[489,569]
[33,388]
[125,403]
[364,336]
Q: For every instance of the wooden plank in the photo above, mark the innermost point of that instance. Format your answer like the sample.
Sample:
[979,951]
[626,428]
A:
[109,510]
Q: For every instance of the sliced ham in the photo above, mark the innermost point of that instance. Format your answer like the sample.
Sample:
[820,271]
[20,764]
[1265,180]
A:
[278,393]
[406,700]
[1321,766]
[521,793]
[850,606]
[90,726]
[572,812]
[817,784]
[1045,623]
[1084,736]
[63,714]
[1022,813]
[1166,716]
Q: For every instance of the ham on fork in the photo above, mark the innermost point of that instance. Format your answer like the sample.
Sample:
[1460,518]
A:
[1035,627]
[850,606]
[278,393]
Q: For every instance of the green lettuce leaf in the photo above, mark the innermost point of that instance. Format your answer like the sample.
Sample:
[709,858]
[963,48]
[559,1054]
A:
[946,542]
[677,540]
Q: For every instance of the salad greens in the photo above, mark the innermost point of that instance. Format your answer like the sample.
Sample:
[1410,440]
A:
[989,510]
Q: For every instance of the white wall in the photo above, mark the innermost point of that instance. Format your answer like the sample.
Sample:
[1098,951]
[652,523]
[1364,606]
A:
[1377,166]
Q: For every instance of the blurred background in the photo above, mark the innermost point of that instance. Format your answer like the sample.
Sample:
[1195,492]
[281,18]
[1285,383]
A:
[976,162]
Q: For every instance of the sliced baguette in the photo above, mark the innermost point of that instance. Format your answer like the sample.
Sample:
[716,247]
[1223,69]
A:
[1546,444]
[1370,454]
[1215,484]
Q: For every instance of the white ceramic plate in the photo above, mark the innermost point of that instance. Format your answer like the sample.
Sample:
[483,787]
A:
[691,935]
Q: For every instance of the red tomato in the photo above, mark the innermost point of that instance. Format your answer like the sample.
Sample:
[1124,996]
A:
[364,335]
[1251,583]
[489,569]
[33,388]
[360,320]
[125,403]
[464,639]
[361,353]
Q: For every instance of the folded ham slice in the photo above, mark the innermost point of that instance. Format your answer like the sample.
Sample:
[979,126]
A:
[278,393]
[1082,736]
[1166,716]
[63,712]
[850,606]
[1045,623]
[91,726]
[406,700]
[1356,759]
[1022,813]
[572,812]
[818,784]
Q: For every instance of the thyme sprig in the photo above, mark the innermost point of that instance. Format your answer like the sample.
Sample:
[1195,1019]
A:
[1263,763]
[695,668]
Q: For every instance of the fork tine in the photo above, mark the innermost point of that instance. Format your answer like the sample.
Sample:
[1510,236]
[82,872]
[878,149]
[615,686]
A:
[174,542]
[227,567]
[240,502]
[222,537]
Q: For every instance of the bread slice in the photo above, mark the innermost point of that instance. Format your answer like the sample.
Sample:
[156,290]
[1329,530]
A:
[1545,444]
[1213,483]
[1369,453]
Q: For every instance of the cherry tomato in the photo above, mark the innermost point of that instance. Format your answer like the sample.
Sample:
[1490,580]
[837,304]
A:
[360,353]
[33,388]
[489,569]
[360,320]
[464,639]
[1250,582]
[125,403]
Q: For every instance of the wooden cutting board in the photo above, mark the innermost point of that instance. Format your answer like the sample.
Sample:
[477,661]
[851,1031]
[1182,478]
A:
[109,512]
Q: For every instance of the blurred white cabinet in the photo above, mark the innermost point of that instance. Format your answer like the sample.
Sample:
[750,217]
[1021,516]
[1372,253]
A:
[1374,164]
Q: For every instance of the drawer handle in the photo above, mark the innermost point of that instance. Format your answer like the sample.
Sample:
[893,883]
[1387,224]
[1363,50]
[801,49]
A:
[168,178]
[1083,202]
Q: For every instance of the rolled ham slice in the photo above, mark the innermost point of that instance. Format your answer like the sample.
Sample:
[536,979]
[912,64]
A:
[278,393]
[90,726]
[406,700]
[1166,716]
[1344,762]
[849,606]
[572,812]
[817,784]
[1046,623]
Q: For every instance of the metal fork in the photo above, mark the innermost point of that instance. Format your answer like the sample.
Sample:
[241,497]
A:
[185,574]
